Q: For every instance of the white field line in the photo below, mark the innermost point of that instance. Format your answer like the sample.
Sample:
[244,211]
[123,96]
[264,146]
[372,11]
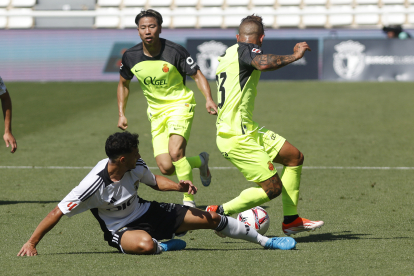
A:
[215,168]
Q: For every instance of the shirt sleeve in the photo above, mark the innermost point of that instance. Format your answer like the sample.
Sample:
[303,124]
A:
[247,52]
[187,64]
[148,178]
[125,70]
[2,87]
[82,198]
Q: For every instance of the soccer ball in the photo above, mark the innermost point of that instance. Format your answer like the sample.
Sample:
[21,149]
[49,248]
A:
[256,218]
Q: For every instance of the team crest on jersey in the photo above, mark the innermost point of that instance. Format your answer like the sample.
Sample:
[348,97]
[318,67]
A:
[271,167]
[165,69]
[255,50]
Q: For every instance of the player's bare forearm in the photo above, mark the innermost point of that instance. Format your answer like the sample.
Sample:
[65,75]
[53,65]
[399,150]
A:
[165,184]
[122,95]
[47,224]
[8,137]
[6,106]
[204,87]
[271,62]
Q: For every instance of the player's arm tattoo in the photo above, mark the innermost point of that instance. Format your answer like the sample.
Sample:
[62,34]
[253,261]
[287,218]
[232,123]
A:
[272,187]
[271,62]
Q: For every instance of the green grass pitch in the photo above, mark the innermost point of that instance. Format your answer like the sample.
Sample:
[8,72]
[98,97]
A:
[340,128]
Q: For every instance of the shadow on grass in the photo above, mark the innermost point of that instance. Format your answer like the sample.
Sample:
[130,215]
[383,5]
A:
[18,202]
[81,253]
[337,236]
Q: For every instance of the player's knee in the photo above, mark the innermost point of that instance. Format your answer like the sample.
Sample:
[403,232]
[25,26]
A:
[301,159]
[297,160]
[176,155]
[214,219]
[143,246]
[166,169]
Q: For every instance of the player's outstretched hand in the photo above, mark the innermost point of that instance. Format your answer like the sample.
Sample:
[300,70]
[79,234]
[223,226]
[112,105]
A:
[9,139]
[300,48]
[211,107]
[187,186]
[28,249]
[122,122]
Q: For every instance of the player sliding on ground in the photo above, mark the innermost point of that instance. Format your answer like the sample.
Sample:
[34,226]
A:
[161,67]
[132,224]
[253,149]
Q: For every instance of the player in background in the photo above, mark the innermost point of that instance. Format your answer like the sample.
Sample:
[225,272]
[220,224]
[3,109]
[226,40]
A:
[6,106]
[161,67]
[253,149]
[132,224]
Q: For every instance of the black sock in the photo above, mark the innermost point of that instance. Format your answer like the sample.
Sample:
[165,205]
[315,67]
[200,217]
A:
[289,219]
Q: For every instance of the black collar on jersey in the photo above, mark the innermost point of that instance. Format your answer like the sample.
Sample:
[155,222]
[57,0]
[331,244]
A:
[157,57]
[105,176]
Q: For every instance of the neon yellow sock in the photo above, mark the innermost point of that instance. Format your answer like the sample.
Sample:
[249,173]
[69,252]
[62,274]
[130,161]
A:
[195,161]
[247,199]
[290,192]
[184,172]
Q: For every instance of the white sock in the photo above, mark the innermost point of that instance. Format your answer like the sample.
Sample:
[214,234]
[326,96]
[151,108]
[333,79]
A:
[157,246]
[238,230]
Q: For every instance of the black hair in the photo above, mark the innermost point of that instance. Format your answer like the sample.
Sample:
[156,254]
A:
[120,143]
[397,29]
[149,13]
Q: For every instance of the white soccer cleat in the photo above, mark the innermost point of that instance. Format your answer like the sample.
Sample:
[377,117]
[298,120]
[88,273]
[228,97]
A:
[189,203]
[301,225]
[205,174]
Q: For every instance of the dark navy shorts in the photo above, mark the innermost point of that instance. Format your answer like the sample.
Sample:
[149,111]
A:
[161,221]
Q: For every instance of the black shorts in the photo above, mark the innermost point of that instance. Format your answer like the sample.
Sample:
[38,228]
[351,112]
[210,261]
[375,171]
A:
[161,221]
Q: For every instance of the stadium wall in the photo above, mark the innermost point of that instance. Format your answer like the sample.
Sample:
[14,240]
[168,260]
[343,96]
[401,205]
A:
[94,55]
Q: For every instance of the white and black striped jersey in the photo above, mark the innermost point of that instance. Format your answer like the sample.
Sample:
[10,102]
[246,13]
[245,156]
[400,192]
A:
[114,204]
[2,87]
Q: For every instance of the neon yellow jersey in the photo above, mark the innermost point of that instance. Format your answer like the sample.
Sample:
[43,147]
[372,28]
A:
[162,78]
[237,80]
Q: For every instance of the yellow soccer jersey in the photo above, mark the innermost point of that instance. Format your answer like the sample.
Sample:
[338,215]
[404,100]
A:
[236,87]
[162,78]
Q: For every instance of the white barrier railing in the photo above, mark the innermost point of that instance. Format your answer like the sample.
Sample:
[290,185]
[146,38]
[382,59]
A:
[229,12]
[118,15]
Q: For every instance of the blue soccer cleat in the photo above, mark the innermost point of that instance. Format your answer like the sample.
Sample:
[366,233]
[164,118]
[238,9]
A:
[284,243]
[173,245]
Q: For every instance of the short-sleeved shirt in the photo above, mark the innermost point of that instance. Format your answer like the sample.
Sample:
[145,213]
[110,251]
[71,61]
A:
[114,204]
[237,80]
[162,78]
[2,87]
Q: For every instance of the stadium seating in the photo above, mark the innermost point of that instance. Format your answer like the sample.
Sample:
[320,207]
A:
[209,13]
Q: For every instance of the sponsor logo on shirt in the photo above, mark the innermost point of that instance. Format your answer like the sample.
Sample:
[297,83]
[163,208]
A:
[165,69]
[255,50]
[190,61]
[271,167]
[71,205]
[153,80]
[123,206]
